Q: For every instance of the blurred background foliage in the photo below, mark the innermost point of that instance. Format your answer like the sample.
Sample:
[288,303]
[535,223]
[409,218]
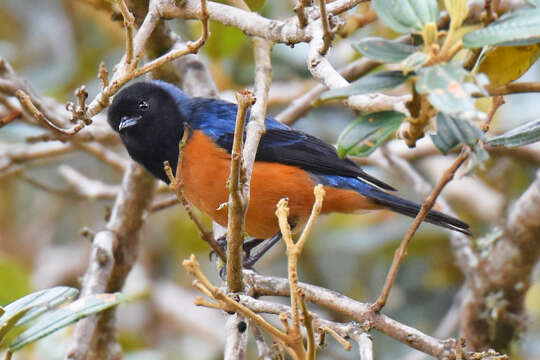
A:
[57,45]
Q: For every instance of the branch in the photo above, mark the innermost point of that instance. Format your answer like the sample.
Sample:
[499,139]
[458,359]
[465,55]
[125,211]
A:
[252,24]
[293,253]
[88,188]
[237,204]
[299,107]
[365,344]
[300,12]
[327,34]
[514,88]
[235,338]
[494,314]
[94,337]
[361,312]
[426,207]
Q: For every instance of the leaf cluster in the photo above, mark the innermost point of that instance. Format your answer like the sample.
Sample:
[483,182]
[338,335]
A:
[446,70]
[41,313]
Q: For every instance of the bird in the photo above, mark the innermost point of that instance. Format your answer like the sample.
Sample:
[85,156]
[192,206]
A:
[151,117]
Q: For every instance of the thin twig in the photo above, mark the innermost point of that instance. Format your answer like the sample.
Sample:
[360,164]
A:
[13,115]
[293,252]
[327,34]
[299,9]
[426,207]
[29,106]
[164,204]
[228,304]
[236,206]
[514,88]
[365,344]
[176,184]
[498,101]
[129,20]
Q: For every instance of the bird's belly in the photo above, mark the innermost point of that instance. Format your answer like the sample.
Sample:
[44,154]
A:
[206,168]
[205,171]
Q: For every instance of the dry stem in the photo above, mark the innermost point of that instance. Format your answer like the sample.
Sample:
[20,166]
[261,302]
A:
[236,206]
[176,184]
[426,207]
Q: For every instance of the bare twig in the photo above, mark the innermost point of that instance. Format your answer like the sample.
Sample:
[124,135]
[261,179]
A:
[176,184]
[365,344]
[498,101]
[164,204]
[129,20]
[327,33]
[301,106]
[514,88]
[235,338]
[293,252]
[94,337]
[402,250]
[105,155]
[264,351]
[299,9]
[85,187]
[29,106]
[13,115]
[236,209]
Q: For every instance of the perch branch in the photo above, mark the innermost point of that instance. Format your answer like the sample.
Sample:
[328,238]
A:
[237,206]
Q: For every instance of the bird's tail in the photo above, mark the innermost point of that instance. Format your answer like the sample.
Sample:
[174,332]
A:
[411,209]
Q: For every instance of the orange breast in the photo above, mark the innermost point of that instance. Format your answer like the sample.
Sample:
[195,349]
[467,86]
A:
[205,170]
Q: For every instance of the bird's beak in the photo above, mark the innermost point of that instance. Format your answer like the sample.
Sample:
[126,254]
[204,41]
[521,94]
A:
[128,121]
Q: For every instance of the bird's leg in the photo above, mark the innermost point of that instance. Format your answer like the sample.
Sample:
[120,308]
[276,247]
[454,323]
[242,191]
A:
[250,259]
[247,246]
[250,245]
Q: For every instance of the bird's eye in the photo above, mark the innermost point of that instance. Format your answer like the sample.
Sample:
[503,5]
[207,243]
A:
[143,105]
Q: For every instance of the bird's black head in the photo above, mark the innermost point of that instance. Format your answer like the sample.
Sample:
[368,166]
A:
[150,122]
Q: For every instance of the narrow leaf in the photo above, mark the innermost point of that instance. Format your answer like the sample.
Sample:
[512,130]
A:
[30,306]
[367,132]
[406,15]
[527,133]
[445,88]
[521,27]
[65,316]
[370,83]
[452,131]
[385,51]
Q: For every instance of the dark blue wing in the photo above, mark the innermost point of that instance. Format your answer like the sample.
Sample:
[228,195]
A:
[279,143]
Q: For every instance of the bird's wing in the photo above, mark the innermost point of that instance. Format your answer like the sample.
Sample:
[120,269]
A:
[280,143]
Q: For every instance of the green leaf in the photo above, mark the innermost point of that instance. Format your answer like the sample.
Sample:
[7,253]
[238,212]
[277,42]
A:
[367,132]
[452,131]
[370,83]
[527,133]
[65,316]
[445,88]
[33,305]
[414,62]
[521,27]
[385,51]
[405,16]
